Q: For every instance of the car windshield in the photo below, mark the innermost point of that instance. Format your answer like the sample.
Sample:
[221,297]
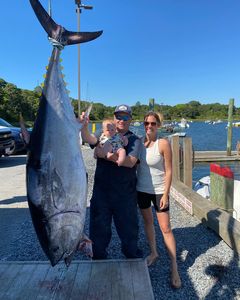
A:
[4,123]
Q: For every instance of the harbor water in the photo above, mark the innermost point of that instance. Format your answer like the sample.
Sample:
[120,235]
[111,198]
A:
[205,137]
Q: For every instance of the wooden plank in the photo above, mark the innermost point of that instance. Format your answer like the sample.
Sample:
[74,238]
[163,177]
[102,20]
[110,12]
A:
[143,280]
[187,161]
[126,283]
[51,283]
[213,156]
[66,283]
[32,289]
[3,268]
[17,288]
[81,282]
[100,282]
[5,281]
[116,281]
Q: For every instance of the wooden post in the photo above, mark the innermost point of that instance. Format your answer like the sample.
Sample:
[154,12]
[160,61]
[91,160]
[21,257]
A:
[187,161]
[175,158]
[222,187]
[229,136]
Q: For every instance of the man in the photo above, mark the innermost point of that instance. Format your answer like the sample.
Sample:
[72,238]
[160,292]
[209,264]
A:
[114,192]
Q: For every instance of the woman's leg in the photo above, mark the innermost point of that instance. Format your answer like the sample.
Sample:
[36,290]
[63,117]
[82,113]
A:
[150,233]
[169,240]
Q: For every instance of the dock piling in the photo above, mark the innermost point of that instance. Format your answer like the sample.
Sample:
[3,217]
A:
[175,157]
[229,135]
[187,161]
[222,187]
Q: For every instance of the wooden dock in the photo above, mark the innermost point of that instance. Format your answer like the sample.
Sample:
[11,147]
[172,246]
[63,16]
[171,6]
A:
[212,156]
[83,280]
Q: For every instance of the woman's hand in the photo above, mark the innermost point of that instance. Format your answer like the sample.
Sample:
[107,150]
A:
[164,203]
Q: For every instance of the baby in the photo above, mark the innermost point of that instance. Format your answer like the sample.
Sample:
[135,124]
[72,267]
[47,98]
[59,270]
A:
[113,142]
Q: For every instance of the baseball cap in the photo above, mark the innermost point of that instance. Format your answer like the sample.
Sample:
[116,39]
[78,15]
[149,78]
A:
[123,108]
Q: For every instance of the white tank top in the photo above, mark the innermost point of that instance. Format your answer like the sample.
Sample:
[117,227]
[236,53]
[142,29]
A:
[151,171]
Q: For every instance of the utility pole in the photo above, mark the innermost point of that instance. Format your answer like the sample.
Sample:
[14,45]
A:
[79,8]
[229,134]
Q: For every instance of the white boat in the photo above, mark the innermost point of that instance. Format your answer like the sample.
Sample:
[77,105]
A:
[183,123]
[236,124]
[136,123]
[217,122]
[180,134]
[203,187]
[208,122]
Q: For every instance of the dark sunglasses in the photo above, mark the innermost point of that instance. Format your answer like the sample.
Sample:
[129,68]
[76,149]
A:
[148,123]
[123,117]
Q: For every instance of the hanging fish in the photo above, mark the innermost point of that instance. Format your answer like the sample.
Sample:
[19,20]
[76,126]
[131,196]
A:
[56,175]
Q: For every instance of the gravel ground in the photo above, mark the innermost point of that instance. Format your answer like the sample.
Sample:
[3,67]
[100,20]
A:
[208,267]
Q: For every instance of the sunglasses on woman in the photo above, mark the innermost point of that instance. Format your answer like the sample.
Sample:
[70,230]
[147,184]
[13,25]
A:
[148,123]
[123,117]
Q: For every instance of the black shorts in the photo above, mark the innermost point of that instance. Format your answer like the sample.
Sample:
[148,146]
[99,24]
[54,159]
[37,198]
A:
[145,200]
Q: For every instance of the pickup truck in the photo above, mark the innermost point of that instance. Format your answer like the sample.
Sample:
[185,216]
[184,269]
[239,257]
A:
[6,140]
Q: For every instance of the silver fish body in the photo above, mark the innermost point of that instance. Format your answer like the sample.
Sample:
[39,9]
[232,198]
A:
[56,175]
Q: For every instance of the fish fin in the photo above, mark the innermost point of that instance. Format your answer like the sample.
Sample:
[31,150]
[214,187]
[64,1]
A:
[85,245]
[57,32]
[71,38]
[46,21]
[25,133]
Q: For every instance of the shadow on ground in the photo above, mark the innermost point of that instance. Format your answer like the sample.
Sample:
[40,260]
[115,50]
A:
[17,199]
[11,161]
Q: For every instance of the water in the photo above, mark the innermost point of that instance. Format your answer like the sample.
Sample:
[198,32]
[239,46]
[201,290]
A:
[212,137]
[205,137]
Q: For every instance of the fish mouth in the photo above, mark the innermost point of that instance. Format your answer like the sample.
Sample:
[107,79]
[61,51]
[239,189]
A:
[63,244]
[65,232]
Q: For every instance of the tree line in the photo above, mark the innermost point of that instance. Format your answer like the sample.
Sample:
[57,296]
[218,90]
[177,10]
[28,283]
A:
[14,101]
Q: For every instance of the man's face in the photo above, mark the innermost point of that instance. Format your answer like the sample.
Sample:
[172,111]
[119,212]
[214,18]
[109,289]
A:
[122,121]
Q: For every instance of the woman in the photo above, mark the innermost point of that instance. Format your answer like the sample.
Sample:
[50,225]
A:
[154,175]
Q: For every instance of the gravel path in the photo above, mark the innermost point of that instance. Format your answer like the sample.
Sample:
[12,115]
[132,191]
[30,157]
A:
[208,267]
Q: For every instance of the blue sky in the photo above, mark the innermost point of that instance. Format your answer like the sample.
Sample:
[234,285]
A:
[172,50]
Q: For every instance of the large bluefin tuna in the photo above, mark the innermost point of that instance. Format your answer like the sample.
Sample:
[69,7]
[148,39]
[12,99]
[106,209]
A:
[56,175]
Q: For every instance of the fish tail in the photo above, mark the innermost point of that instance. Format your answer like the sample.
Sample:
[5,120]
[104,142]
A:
[59,33]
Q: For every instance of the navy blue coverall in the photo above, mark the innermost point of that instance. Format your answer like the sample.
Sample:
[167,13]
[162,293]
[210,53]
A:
[115,197]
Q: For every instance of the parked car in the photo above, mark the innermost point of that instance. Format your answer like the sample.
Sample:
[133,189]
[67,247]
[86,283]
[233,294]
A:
[6,140]
[18,145]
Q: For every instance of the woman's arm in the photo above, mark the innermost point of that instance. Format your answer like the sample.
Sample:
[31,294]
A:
[166,151]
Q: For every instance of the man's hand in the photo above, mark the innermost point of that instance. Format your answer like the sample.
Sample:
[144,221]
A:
[84,120]
[99,151]
[112,157]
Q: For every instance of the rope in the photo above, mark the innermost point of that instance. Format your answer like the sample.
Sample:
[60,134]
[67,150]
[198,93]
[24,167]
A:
[55,43]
